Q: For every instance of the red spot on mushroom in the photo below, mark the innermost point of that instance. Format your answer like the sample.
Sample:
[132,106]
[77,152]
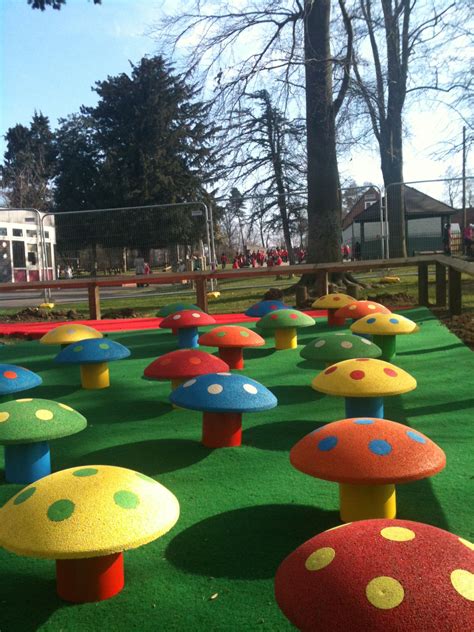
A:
[330,370]
[336,298]
[274,316]
[273,306]
[362,359]
[390,372]
[11,375]
[357,375]
[293,315]
[194,360]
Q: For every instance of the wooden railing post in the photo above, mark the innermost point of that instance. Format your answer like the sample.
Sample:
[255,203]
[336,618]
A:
[440,285]
[94,302]
[455,292]
[201,292]
[423,284]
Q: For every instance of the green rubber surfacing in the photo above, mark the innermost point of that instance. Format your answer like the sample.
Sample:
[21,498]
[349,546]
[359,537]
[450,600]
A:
[242,509]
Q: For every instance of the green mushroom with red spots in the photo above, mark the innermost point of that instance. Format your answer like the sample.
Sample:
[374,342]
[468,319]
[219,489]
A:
[284,324]
[84,517]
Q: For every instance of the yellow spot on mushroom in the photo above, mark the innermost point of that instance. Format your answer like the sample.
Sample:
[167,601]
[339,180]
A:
[352,307]
[4,417]
[194,360]
[320,559]
[463,583]
[65,406]
[469,545]
[397,534]
[371,306]
[384,592]
[26,399]
[44,415]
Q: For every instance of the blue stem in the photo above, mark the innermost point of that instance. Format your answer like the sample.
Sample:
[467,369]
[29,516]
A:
[188,338]
[27,462]
[364,407]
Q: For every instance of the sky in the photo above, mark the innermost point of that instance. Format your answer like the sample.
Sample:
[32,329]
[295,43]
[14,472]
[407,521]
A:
[50,60]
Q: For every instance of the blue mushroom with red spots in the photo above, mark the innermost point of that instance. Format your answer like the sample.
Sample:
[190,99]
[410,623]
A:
[223,397]
[93,356]
[367,456]
[262,308]
[14,379]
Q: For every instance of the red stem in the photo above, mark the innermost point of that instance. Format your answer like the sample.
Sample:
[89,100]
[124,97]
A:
[333,321]
[90,579]
[221,430]
[233,356]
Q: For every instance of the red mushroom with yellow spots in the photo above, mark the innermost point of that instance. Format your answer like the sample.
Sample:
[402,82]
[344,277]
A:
[379,576]
[231,341]
[367,457]
[84,517]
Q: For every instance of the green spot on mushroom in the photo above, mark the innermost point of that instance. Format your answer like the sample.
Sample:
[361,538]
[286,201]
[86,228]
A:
[126,499]
[24,495]
[61,510]
[104,345]
[145,477]
[243,333]
[78,349]
[85,471]
[221,334]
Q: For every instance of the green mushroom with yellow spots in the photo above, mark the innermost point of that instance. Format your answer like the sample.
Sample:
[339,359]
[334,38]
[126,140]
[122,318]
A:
[93,356]
[84,518]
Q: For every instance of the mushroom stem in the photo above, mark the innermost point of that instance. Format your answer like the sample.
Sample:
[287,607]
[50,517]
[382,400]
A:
[188,338]
[361,502]
[90,579]
[221,430]
[286,338]
[95,376]
[333,320]
[233,356]
[388,344]
[364,407]
[27,462]
[177,381]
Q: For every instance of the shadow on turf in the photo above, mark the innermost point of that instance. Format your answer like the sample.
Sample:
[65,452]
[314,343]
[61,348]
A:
[292,393]
[247,543]
[27,601]
[417,352]
[255,354]
[151,457]
[281,435]
[123,410]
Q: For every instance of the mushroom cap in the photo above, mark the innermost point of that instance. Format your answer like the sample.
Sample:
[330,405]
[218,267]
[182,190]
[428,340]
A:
[265,307]
[384,325]
[359,309]
[31,420]
[184,363]
[223,392]
[16,378]
[231,336]
[379,575]
[69,333]
[187,318]
[86,511]
[332,301]
[363,377]
[285,319]
[92,351]
[172,308]
[340,346]
[367,451]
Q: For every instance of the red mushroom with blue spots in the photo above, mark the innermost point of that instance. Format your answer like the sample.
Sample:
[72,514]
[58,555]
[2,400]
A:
[93,356]
[258,310]
[367,456]
[14,379]
[186,323]
[223,397]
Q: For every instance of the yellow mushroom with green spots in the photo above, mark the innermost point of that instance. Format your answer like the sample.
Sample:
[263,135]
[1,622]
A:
[26,427]
[84,517]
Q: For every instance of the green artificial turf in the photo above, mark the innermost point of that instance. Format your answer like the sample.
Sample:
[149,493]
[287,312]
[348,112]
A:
[242,509]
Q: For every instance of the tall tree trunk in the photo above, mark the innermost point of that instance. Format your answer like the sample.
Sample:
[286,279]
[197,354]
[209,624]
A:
[324,203]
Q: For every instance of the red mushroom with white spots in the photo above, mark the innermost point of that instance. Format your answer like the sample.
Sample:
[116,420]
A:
[186,323]
[231,341]
[379,576]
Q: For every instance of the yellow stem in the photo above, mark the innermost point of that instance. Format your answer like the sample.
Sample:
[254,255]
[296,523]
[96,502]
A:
[361,502]
[286,338]
[95,376]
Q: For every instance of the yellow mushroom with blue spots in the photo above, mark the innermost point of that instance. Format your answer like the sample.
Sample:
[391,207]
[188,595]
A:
[385,328]
[84,517]
[93,356]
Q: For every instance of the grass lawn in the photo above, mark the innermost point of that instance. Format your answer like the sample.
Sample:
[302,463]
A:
[242,509]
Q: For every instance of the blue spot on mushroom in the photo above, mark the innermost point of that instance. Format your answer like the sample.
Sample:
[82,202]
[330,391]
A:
[371,321]
[394,321]
[364,422]
[328,443]
[380,447]
[415,436]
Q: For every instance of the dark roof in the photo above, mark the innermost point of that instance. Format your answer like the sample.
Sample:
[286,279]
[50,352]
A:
[358,207]
[417,205]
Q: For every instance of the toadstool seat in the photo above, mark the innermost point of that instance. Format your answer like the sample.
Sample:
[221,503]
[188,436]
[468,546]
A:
[14,379]
[333,302]
[67,334]
[284,324]
[367,457]
[359,309]
[182,365]
[186,323]
[384,328]
[173,308]
[379,576]
[331,348]
[231,341]
[364,382]
[93,356]
[223,397]
[84,517]
[263,308]
[26,427]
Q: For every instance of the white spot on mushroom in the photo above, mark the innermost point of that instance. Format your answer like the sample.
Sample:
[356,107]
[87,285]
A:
[223,373]
[196,315]
[319,343]
[71,332]
[176,316]
[365,341]
[340,334]
[352,307]
[189,383]
[250,388]
[215,389]
[345,344]
[371,306]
